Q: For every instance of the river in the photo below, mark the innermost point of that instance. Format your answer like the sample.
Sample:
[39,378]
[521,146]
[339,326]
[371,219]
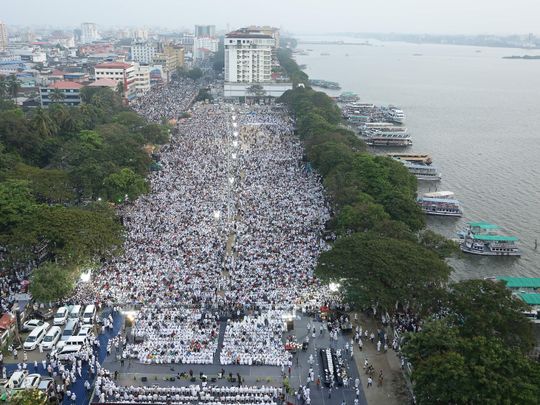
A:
[478,115]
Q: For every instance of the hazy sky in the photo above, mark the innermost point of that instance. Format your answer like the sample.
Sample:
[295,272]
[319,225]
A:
[299,16]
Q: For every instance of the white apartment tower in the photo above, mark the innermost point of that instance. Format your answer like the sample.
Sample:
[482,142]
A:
[143,52]
[3,37]
[89,33]
[248,57]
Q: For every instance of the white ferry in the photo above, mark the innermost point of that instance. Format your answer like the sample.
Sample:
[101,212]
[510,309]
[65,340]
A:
[388,139]
[440,203]
[396,115]
[422,172]
[480,239]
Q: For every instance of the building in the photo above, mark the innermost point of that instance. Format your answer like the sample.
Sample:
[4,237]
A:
[169,57]
[143,52]
[203,46]
[142,78]
[89,33]
[121,73]
[69,93]
[3,37]
[249,61]
[205,31]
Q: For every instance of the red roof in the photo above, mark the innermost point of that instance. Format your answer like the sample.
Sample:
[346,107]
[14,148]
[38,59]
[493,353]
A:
[113,65]
[6,321]
[65,85]
[106,82]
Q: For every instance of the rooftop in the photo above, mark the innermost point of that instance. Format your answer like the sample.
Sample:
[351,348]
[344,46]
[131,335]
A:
[65,85]
[113,65]
[521,282]
[495,238]
[530,298]
[483,225]
[105,82]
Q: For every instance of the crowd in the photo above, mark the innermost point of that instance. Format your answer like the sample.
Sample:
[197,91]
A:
[108,391]
[167,102]
[232,224]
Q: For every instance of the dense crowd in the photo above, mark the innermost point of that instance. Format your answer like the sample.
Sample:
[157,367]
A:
[232,224]
[167,102]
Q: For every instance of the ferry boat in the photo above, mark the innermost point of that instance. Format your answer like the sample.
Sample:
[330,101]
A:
[422,172]
[388,139]
[347,97]
[396,115]
[420,158]
[480,239]
[440,203]
[325,84]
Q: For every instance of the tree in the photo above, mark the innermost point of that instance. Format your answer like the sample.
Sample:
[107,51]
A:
[120,89]
[47,185]
[256,90]
[487,308]
[28,397]
[195,73]
[13,85]
[52,282]
[16,203]
[451,369]
[57,96]
[43,124]
[361,216]
[380,272]
[438,243]
[125,183]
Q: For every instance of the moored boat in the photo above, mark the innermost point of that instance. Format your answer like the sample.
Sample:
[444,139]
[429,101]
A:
[421,158]
[422,172]
[481,239]
[440,203]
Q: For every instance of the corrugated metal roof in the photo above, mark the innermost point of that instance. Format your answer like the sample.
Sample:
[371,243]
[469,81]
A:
[521,282]
[530,298]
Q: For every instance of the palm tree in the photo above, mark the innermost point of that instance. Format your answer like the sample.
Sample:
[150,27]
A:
[57,96]
[43,124]
[13,86]
[3,87]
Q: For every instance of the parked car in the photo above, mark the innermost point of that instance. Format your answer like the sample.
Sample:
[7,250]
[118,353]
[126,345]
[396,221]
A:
[72,346]
[35,337]
[51,338]
[33,324]
[71,329]
[89,315]
[85,331]
[60,316]
[46,385]
[16,379]
[31,381]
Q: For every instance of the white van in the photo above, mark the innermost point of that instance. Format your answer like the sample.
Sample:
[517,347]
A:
[34,338]
[72,346]
[89,315]
[52,336]
[71,329]
[75,312]
[61,315]
[16,379]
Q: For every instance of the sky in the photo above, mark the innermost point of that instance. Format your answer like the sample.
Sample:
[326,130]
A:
[296,16]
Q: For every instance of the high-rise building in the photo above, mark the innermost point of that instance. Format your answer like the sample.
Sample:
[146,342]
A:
[203,46]
[89,33]
[143,52]
[205,31]
[248,57]
[3,37]
[248,62]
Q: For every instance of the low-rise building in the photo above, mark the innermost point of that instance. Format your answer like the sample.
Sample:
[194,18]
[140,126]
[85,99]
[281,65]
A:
[120,72]
[61,92]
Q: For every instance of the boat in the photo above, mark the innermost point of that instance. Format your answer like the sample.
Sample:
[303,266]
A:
[440,203]
[347,97]
[388,139]
[395,114]
[325,84]
[421,158]
[481,238]
[422,172]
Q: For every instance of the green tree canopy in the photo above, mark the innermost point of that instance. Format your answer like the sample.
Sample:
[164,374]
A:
[16,203]
[380,272]
[123,183]
[52,282]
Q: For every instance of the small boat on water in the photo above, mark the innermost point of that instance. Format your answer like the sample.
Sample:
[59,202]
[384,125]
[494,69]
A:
[347,97]
[482,238]
[440,203]
[325,84]
[421,158]
[395,115]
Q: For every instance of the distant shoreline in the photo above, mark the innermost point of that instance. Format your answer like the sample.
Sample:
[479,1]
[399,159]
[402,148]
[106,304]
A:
[526,57]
